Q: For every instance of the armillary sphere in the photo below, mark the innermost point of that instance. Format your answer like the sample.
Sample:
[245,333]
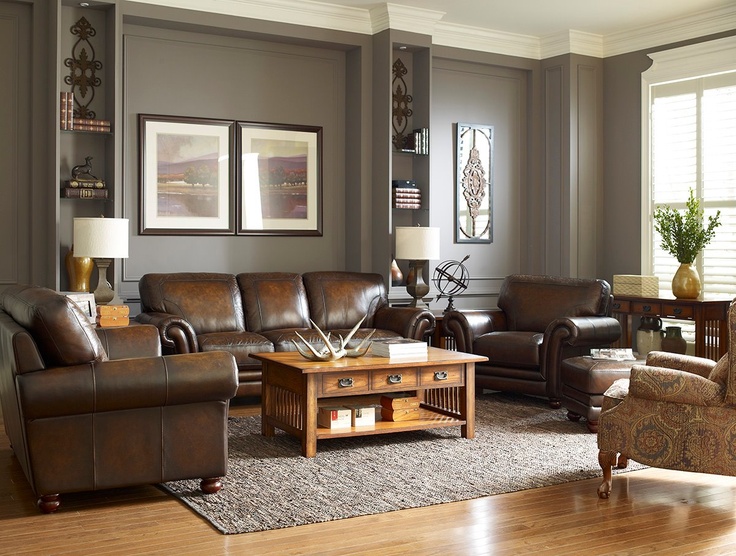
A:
[451,278]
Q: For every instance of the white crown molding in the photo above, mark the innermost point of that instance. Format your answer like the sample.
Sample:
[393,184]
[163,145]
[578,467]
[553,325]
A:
[393,16]
[486,40]
[404,18]
[706,58]
[703,24]
[296,12]
[572,42]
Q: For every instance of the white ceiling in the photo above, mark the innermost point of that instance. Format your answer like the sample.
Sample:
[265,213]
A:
[540,18]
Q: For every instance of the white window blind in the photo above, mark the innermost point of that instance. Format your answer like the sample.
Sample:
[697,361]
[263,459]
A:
[693,146]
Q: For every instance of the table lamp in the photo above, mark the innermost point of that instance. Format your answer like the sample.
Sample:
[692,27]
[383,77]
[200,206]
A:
[418,245]
[102,239]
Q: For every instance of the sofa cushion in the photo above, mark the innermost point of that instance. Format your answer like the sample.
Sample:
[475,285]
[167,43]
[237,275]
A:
[240,344]
[340,299]
[63,334]
[273,300]
[511,349]
[209,301]
[532,302]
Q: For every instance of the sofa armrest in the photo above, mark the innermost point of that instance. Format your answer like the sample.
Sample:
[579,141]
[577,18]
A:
[128,384]
[697,365]
[570,336]
[176,333]
[130,341]
[674,386]
[409,322]
[466,326]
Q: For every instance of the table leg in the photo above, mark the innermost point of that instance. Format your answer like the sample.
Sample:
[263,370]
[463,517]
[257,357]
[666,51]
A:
[267,408]
[309,412]
[467,403]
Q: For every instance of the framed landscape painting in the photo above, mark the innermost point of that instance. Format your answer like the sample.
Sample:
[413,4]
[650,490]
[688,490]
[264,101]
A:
[279,179]
[186,178]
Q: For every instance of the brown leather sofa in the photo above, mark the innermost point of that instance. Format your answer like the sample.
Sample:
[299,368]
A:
[261,312]
[89,409]
[540,320]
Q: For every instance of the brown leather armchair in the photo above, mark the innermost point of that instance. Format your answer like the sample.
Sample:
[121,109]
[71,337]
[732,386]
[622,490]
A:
[540,320]
[88,409]
[676,412]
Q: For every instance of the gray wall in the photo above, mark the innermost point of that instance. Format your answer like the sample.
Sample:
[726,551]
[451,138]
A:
[201,75]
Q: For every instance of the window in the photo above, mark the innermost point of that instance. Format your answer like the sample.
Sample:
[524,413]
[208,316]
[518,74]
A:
[690,143]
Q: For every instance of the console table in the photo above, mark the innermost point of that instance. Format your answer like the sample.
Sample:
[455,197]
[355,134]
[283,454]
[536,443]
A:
[710,318]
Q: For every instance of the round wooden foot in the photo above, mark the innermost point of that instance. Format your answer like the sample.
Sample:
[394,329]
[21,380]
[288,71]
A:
[573,416]
[593,426]
[210,486]
[48,503]
[555,404]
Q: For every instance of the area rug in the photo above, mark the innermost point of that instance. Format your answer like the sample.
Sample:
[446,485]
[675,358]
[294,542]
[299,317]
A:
[520,443]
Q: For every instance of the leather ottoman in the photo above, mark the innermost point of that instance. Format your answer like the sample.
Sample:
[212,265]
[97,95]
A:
[584,380]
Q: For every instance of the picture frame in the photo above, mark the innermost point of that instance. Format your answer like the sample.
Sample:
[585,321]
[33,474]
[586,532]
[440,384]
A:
[279,179]
[474,184]
[187,182]
[86,302]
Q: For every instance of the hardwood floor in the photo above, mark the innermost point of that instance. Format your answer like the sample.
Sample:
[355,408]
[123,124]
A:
[650,512]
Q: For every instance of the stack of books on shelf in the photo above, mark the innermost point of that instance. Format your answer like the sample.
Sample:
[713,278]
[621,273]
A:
[399,407]
[399,347]
[82,188]
[69,122]
[112,315]
[407,198]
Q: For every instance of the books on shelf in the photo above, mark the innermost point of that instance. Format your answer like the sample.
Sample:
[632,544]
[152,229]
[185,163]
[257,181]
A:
[68,122]
[362,415]
[407,197]
[398,347]
[83,193]
[83,182]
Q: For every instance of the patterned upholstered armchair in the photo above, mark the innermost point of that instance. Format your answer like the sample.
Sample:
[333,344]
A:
[675,412]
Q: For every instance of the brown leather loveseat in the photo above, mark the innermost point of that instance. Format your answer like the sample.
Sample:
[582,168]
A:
[540,320]
[90,409]
[261,312]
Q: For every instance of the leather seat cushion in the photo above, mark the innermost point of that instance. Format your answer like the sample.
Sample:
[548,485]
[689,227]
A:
[240,344]
[512,348]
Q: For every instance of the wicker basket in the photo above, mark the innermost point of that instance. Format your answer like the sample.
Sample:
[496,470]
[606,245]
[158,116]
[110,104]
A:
[633,284]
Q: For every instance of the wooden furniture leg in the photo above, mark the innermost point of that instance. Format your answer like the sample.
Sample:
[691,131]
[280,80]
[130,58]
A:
[606,461]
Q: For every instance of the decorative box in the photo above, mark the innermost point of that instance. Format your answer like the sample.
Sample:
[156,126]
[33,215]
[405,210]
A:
[633,284]
[334,417]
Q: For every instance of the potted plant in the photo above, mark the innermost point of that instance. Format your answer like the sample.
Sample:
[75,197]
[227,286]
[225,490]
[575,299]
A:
[684,236]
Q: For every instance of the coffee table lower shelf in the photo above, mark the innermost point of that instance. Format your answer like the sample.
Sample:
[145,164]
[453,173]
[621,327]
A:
[428,419]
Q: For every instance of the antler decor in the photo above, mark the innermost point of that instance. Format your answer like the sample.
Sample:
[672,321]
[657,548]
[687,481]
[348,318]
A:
[329,352]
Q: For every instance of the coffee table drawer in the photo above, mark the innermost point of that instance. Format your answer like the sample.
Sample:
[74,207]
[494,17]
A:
[442,375]
[393,379]
[348,383]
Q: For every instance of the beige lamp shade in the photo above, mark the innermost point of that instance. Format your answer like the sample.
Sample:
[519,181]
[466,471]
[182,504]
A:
[416,243]
[101,238]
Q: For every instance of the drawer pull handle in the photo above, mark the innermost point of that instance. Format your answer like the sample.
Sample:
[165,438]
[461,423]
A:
[678,310]
[647,308]
[345,382]
[440,375]
[616,305]
[394,379]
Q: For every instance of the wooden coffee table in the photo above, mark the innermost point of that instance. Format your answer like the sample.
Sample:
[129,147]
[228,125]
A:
[294,387]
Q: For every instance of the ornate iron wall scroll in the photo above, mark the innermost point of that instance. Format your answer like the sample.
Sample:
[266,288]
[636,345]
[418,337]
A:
[474,184]
[401,111]
[83,66]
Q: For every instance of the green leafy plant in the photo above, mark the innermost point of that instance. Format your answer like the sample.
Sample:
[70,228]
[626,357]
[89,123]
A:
[683,234]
